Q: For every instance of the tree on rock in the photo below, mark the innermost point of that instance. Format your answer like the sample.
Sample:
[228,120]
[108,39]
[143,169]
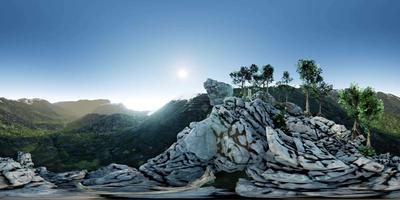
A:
[241,77]
[371,110]
[267,76]
[349,100]
[285,84]
[323,89]
[363,105]
[310,74]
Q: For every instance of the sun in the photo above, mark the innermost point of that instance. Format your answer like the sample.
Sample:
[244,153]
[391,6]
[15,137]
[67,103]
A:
[182,73]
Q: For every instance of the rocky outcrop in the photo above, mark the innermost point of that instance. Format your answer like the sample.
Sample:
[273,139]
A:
[217,91]
[114,175]
[309,157]
[20,175]
[264,96]
[65,179]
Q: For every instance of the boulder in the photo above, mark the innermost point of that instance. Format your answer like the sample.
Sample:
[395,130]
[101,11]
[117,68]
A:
[114,175]
[264,96]
[25,159]
[217,91]
[293,109]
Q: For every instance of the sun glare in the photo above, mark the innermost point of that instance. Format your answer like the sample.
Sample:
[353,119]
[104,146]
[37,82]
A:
[182,73]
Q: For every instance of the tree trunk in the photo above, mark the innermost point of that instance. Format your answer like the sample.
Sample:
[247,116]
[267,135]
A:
[368,138]
[320,107]
[286,97]
[307,111]
[249,96]
[243,89]
[354,130]
[267,88]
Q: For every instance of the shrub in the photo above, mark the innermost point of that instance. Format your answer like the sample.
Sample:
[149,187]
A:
[279,121]
[366,151]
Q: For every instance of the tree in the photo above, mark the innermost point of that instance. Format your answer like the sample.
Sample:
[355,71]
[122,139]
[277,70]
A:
[310,74]
[253,71]
[371,110]
[364,106]
[323,89]
[241,77]
[349,100]
[255,77]
[267,76]
[285,84]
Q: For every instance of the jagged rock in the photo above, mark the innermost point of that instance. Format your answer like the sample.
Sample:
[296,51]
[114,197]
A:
[3,182]
[264,96]
[15,175]
[114,175]
[25,159]
[65,179]
[293,109]
[217,91]
[312,158]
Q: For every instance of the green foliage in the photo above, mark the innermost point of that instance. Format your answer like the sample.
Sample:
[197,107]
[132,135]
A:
[366,151]
[371,108]
[279,121]
[267,74]
[364,106]
[284,83]
[349,100]
[389,124]
[321,91]
[310,74]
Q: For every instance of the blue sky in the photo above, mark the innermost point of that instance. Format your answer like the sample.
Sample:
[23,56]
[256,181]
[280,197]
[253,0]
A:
[130,51]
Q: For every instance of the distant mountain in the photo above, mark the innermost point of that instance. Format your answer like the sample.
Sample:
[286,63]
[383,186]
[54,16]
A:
[104,124]
[73,110]
[28,116]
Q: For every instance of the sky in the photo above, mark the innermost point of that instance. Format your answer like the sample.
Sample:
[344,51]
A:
[145,53]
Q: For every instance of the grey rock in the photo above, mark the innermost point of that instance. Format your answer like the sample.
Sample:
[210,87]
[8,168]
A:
[264,96]
[217,91]
[293,109]
[114,175]
[25,159]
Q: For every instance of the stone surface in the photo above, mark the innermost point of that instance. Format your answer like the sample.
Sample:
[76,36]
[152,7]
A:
[113,175]
[264,96]
[20,175]
[25,159]
[217,91]
[62,180]
[293,109]
[311,158]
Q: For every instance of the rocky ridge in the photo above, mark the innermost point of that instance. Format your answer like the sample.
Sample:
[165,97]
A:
[303,157]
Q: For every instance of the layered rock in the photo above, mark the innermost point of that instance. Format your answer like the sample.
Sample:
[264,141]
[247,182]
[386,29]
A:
[20,175]
[217,91]
[307,157]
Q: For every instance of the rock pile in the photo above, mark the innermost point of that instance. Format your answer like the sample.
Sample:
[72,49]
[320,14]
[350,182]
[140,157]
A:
[17,175]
